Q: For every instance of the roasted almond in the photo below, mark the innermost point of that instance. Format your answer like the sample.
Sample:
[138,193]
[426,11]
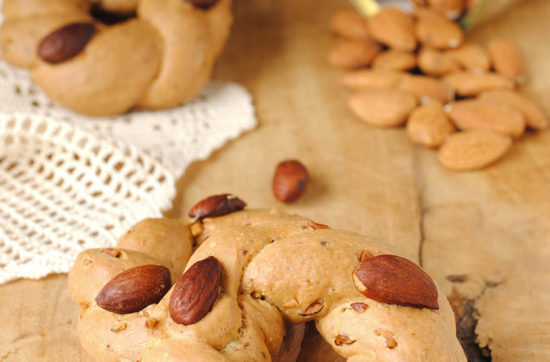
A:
[66,42]
[471,84]
[428,125]
[473,150]
[134,289]
[290,180]
[533,113]
[435,62]
[393,28]
[217,205]
[393,59]
[195,292]
[392,279]
[507,59]
[471,57]
[475,114]
[425,88]
[383,107]
[435,31]
[370,79]
[352,54]
[349,24]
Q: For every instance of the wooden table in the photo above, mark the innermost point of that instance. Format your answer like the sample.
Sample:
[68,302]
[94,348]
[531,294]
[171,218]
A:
[484,236]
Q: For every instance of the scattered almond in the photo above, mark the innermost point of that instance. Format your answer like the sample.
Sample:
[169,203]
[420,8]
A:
[435,62]
[473,150]
[451,9]
[393,28]
[350,24]
[428,125]
[488,116]
[507,59]
[435,31]
[533,113]
[471,57]
[353,53]
[471,84]
[393,59]
[383,107]
[290,181]
[424,88]
[370,79]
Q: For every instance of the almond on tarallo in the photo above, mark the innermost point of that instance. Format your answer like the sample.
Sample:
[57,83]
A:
[383,107]
[473,150]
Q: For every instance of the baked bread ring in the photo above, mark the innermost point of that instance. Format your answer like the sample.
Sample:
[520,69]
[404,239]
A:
[105,57]
[251,272]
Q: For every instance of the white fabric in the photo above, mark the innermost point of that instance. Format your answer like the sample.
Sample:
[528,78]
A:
[61,186]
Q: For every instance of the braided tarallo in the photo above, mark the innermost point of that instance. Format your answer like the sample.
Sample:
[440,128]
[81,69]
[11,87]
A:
[252,272]
[106,57]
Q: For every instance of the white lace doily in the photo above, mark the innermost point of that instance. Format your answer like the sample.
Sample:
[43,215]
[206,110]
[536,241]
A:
[61,189]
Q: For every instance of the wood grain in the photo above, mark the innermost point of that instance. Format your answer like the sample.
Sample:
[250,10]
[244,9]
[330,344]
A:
[484,236]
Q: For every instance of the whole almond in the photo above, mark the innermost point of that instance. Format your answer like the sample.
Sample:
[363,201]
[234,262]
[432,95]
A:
[383,107]
[424,88]
[471,57]
[475,114]
[134,289]
[473,150]
[393,28]
[195,292]
[450,9]
[471,84]
[66,42]
[435,62]
[217,205]
[393,59]
[290,180]
[370,79]
[428,125]
[533,113]
[507,59]
[349,24]
[435,31]
[353,53]
[392,279]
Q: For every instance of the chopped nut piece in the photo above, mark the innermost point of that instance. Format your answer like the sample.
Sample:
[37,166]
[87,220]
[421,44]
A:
[343,339]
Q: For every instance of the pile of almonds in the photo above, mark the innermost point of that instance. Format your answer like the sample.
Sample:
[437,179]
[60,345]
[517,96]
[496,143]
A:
[417,69]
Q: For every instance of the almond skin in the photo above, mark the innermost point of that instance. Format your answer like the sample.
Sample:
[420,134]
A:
[483,115]
[428,125]
[370,79]
[66,42]
[383,107]
[424,87]
[393,59]
[195,292]
[435,62]
[471,84]
[134,289]
[471,57]
[473,150]
[435,31]
[216,205]
[507,59]
[533,113]
[290,180]
[392,279]
[393,28]
[349,24]
[352,54]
